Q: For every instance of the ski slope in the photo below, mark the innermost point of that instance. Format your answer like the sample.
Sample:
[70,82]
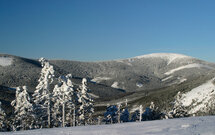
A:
[184,126]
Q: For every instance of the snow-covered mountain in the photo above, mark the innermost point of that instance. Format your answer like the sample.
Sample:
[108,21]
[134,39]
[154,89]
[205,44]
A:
[183,126]
[142,72]
[142,79]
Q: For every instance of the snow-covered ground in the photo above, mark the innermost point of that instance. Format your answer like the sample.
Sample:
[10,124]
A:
[167,78]
[5,61]
[184,126]
[194,65]
[170,57]
[115,85]
[99,79]
[200,97]
[138,84]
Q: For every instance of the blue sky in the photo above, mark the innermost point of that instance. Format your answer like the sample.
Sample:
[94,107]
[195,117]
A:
[91,30]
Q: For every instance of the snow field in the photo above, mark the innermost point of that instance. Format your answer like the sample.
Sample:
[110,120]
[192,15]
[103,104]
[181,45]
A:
[183,126]
[5,61]
[194,65]
[99,79]
[170,57]
[115,85]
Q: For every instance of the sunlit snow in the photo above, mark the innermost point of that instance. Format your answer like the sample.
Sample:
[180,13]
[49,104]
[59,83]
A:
[167,78]
[184,126]
[115,85]
[170,57]
[198,98]
[138,84]
[99,79]
[5,61]
[194,65]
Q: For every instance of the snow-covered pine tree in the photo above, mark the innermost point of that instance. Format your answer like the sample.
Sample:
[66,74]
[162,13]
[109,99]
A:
[42,95]
[178,109]
[111,115]
[119,112]
[24,115]
[2,119]
[56,109]
[141,112]
[86,104]
[63,102]
[135,116]
[125,113]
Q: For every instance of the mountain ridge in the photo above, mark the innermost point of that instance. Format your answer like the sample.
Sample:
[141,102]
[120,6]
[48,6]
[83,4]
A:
[140,79]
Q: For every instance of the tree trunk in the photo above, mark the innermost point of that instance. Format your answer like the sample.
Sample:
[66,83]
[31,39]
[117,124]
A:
[74,116]
[141,112]
[49,114]
[63,115]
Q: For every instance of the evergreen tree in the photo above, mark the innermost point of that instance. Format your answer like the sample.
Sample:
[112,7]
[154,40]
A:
[178,109]
[119,112]
[57,108]
[42,95]
[63,102]
[86,104]
[111,114]
[135,116]
[2,119]
[24,115]
[125,113]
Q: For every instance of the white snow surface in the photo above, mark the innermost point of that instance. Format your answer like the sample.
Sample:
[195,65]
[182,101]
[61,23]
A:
[167,78]
[181,80]
[183,126]
[170,57]
[99,79]
[5,61]
[115,85]
[194,65]
[198,98]
[138,84]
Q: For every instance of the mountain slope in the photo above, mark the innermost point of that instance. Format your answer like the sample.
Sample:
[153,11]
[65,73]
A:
[140,73]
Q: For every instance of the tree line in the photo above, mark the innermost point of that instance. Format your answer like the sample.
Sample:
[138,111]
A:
[66,104]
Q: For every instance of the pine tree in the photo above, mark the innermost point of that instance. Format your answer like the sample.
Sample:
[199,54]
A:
[111,114]
[24,115]
[119,112]
[63,102]
[125,113]
[2,119]
[57,108]
[42,95]
[178,109]
[86,106]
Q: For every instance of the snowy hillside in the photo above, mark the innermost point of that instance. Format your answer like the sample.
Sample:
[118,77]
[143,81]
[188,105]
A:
[183,126]
[200,98]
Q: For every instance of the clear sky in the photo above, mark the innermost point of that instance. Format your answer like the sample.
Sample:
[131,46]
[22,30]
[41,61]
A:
[91,30]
